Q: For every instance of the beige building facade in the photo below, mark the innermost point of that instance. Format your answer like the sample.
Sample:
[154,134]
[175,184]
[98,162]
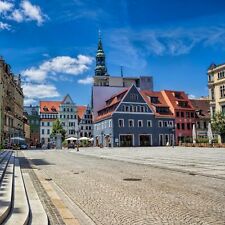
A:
[11,104]
[216,85]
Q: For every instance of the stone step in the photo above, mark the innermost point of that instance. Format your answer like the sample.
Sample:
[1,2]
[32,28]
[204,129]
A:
[3,165]
[3,155]
[37,212]
[6,190]
[19,213]
[1,152]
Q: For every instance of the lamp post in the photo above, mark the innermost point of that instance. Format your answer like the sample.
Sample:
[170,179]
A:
[77,132]
[173,129]
[102,133]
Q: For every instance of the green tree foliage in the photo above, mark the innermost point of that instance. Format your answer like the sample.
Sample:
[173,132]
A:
[58,129]
[218,123]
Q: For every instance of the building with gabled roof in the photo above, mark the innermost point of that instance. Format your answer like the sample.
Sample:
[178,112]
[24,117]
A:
[65,111]
[126,119]
[85,121]
[48,111]
[202,115]
[184,113]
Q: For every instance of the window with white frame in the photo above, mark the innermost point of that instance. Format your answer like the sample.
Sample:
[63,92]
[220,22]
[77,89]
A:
[222,91]
[165,124]
[170,123]
[121,122]
[131,123]
[140,123]
[160,123]
[149,123]
[221,74]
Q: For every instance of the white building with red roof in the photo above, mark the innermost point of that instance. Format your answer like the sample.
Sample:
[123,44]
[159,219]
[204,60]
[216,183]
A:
[65,111]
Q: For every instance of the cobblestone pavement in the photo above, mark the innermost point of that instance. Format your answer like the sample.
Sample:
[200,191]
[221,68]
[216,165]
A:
[204,161]
[158,196]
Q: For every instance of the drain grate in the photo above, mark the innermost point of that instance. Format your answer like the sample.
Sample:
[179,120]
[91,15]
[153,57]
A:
[192,174]
[48,179]
[76,173]
[132,179]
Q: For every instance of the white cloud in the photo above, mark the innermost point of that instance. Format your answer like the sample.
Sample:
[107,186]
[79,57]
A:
[60,64]
[87,80]
[17,16]
[5,6]
[32,12]
[26,12]
[167,41]
[34,92]
[34,74]
[68,65]
[4,26]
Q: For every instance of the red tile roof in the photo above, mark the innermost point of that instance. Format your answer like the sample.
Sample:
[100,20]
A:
[50,106]
[173,99]
[111,104]
[81,109]
[161,102]
[202,106]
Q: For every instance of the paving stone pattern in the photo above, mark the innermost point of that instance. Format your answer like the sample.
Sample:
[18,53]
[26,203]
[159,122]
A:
[53,215]
[157,197]
[203,161]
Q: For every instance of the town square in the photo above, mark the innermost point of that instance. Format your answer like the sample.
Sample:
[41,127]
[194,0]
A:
[112,112]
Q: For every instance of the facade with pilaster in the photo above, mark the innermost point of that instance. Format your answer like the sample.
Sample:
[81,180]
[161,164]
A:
[11,104]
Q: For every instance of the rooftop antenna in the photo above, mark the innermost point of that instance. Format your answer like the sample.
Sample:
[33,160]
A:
[121,71]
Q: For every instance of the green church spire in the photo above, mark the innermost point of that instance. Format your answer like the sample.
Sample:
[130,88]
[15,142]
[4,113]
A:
[100,69]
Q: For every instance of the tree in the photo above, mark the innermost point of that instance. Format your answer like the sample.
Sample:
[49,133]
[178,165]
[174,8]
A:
[218,124]
[58,129]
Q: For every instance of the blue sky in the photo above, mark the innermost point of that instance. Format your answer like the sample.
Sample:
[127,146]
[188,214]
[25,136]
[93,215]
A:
[53,43]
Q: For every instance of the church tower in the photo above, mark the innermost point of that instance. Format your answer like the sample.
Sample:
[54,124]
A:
[100,69]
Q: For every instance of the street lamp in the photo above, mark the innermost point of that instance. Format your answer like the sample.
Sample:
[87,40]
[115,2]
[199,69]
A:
[77,134]
[173,129]
[102,133]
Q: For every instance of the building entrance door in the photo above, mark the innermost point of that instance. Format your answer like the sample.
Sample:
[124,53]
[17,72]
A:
[145,140]
[126,140]
[161,140]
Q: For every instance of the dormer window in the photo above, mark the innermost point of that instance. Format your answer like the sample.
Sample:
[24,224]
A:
[162,110]
[53,109]
[45,108]
[154,100]
[177,95]
[183,104]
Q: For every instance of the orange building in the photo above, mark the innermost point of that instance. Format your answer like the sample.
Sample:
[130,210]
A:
[184,113]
